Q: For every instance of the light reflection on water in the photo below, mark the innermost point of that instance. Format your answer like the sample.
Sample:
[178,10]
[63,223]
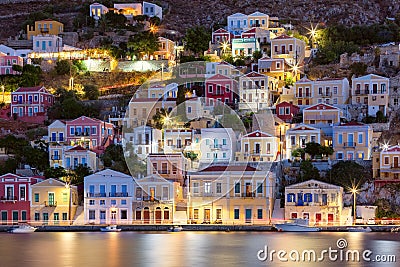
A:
[180,249]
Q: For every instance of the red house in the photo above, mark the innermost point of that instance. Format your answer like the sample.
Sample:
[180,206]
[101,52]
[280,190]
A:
[286,111]
[30,104]
[221,88]
[221,36]
[15,197]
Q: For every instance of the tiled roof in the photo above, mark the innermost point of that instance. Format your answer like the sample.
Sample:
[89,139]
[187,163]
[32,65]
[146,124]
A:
[257,133]
[29,89]
[321,106]
[218,77]
[254,74]
[393,149]
[77,148]
[221,168]
[283,36]
[221,30]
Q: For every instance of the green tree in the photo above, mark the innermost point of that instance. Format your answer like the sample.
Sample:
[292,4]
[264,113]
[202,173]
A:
[159,118]
[55,172]
[79,173]
[143,43]
[358,68]
[197,40]
[348,174]
[307,171]
[298,153]
[257,54]
[91,91]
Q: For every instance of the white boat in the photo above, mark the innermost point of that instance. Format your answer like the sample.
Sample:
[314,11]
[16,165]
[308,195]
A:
[110,228]
[359,229]
[296,225]
[175,228]
[22,229]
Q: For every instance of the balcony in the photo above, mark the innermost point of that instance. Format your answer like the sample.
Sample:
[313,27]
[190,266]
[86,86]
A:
[218,93]
[82,134]
[303,95]
[326,94]
[55,157]
[151,199]
[349,144]
[249,195]
[96,194]
[8,198]
[118,194]
[50,203]
[56,139]
[361,92]
[164,172]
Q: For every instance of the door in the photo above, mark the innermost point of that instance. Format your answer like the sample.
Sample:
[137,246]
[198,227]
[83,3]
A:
[350,139]
[318,217]
[15,216]
[138,215]
[248,190]
[257,148]
[207,215]
[146,215]
[61,137]
[23,215]
[330,218]
[395,162]
[53,137]
[166,214]
[248,216]
[158,215]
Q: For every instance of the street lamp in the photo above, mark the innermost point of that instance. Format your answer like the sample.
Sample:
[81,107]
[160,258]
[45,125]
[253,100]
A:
[354,192]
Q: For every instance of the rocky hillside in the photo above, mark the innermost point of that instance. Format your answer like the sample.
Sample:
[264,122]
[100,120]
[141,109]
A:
[206,12]
[182,14]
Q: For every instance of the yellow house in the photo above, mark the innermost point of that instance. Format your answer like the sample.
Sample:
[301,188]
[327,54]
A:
[352,141]
[42,27]
[385,166]
[322,114]
[53,202]
[166,49]
[142,110]
[156,199]
[258,146]
[237,194]
[258,19]
[289,48]
[299,136]
[320,202]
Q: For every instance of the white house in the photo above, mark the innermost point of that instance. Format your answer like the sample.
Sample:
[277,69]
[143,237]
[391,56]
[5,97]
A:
[217,145]
[299,136]
[144,140]
[152,10]
[97,10]
[253,91]
[244,47]
[15,52]
[47,43]
[237,22]
[108,197]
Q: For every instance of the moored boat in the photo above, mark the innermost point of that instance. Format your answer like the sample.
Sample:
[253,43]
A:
[296,225]
[22,229]
[175,228]
[359,229]
[110,228]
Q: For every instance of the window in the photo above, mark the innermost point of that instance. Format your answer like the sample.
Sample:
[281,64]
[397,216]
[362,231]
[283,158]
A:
[219,214]
[237,188]
[195,214]
[91,202]
[102,202]
[236,214]
[360,138]
[72,130]
[64,216]
[290,47]
[113,202]
[224,142]
[124,214]
[36,197]
[386,160]
[196,188]
[123,201]
[290,197]
[65,197]
[259,214]
[281,110]
[207,188]
[308,197]
[210,88]
[339,155]
[259,188]
[340,138]
[37,216]
[333,197]
[219,188]
[92,214]
[22,192]
[189,109]
[293,140]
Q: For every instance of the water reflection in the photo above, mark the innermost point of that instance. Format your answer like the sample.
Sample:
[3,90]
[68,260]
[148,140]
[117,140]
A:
[179,249]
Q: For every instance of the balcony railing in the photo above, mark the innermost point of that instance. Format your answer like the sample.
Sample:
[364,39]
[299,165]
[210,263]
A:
[303,95]
[249,194]
[326,94]
[349,144]
[118,194]
[96,194]
[164,172]
[50,203]
[150,198]
[361,92]
[55,157]
[395,166]
[56,139]
[218,93]
[8,198]
[82,134]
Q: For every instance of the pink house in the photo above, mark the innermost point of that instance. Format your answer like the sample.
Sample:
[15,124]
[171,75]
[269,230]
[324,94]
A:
[30,104]
[90,133]
[15,197]
[220,88]
[6,63]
